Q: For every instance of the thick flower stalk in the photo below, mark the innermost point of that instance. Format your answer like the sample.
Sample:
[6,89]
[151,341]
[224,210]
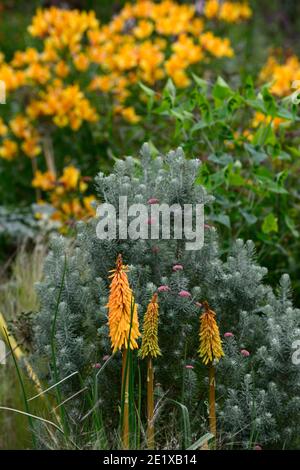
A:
[150,349]
[122,310]
[209,351]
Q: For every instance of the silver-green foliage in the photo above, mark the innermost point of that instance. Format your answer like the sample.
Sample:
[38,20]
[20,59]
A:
[258,396]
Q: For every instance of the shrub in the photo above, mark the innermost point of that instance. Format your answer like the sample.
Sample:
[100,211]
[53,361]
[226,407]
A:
[257,373]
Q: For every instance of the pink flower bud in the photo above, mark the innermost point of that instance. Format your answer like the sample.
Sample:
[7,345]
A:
[184,293]
[177,267]
[257,447]
[245,353]
[97,365]
[163,289]
[188,366]
[228,334]
[153,200]
[105,358]
[198,304]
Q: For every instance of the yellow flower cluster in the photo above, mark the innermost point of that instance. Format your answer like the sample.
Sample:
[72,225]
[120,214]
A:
[146,41]
[122,310]
[210,341]
[281,75]
[21,129]
[231,12]
[66,105]
[150,347]
[81,67]
[260,118]
[66,194]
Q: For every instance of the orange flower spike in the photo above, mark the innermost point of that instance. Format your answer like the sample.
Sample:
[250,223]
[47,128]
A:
[120,315]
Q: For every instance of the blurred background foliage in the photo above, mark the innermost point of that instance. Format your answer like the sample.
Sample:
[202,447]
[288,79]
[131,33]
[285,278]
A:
[274,22]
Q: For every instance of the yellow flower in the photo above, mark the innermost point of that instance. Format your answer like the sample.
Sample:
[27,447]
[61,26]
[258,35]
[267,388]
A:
[260,118]
[13,79]
[70,177]
[150,345]
[20,126]
[128,114]
[210,341]
[234,12]
[72,208]
[122,310]
[31,147]
[104,83]
[211,9]
[88,205]
[281,75]
[81,62]
[38,73]
[143,29]
[216,46]
[8,150]
[62,69]
[175,68]
[44,181]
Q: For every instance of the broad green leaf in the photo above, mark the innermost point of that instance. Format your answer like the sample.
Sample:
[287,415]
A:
[269,185]
[250,218]
[221,219]
[203,84]
[221,90]
[257,154]
[270,224]
[223,159]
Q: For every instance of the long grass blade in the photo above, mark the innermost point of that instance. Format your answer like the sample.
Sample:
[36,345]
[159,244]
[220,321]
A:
[32,416]
[201,441]
[52,386]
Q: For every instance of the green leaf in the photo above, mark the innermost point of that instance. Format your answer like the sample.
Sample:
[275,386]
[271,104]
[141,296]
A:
[203,84]
[148,91]
[264,136]
[269,102]
[221,219]
[235,179]
[256,153]
[170,91]
[270,224]
[250,218]
[223,159]
[221,89]
[204,107]
[249,88]
[269,185]
[201,441]
[150,94]
[291,225]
